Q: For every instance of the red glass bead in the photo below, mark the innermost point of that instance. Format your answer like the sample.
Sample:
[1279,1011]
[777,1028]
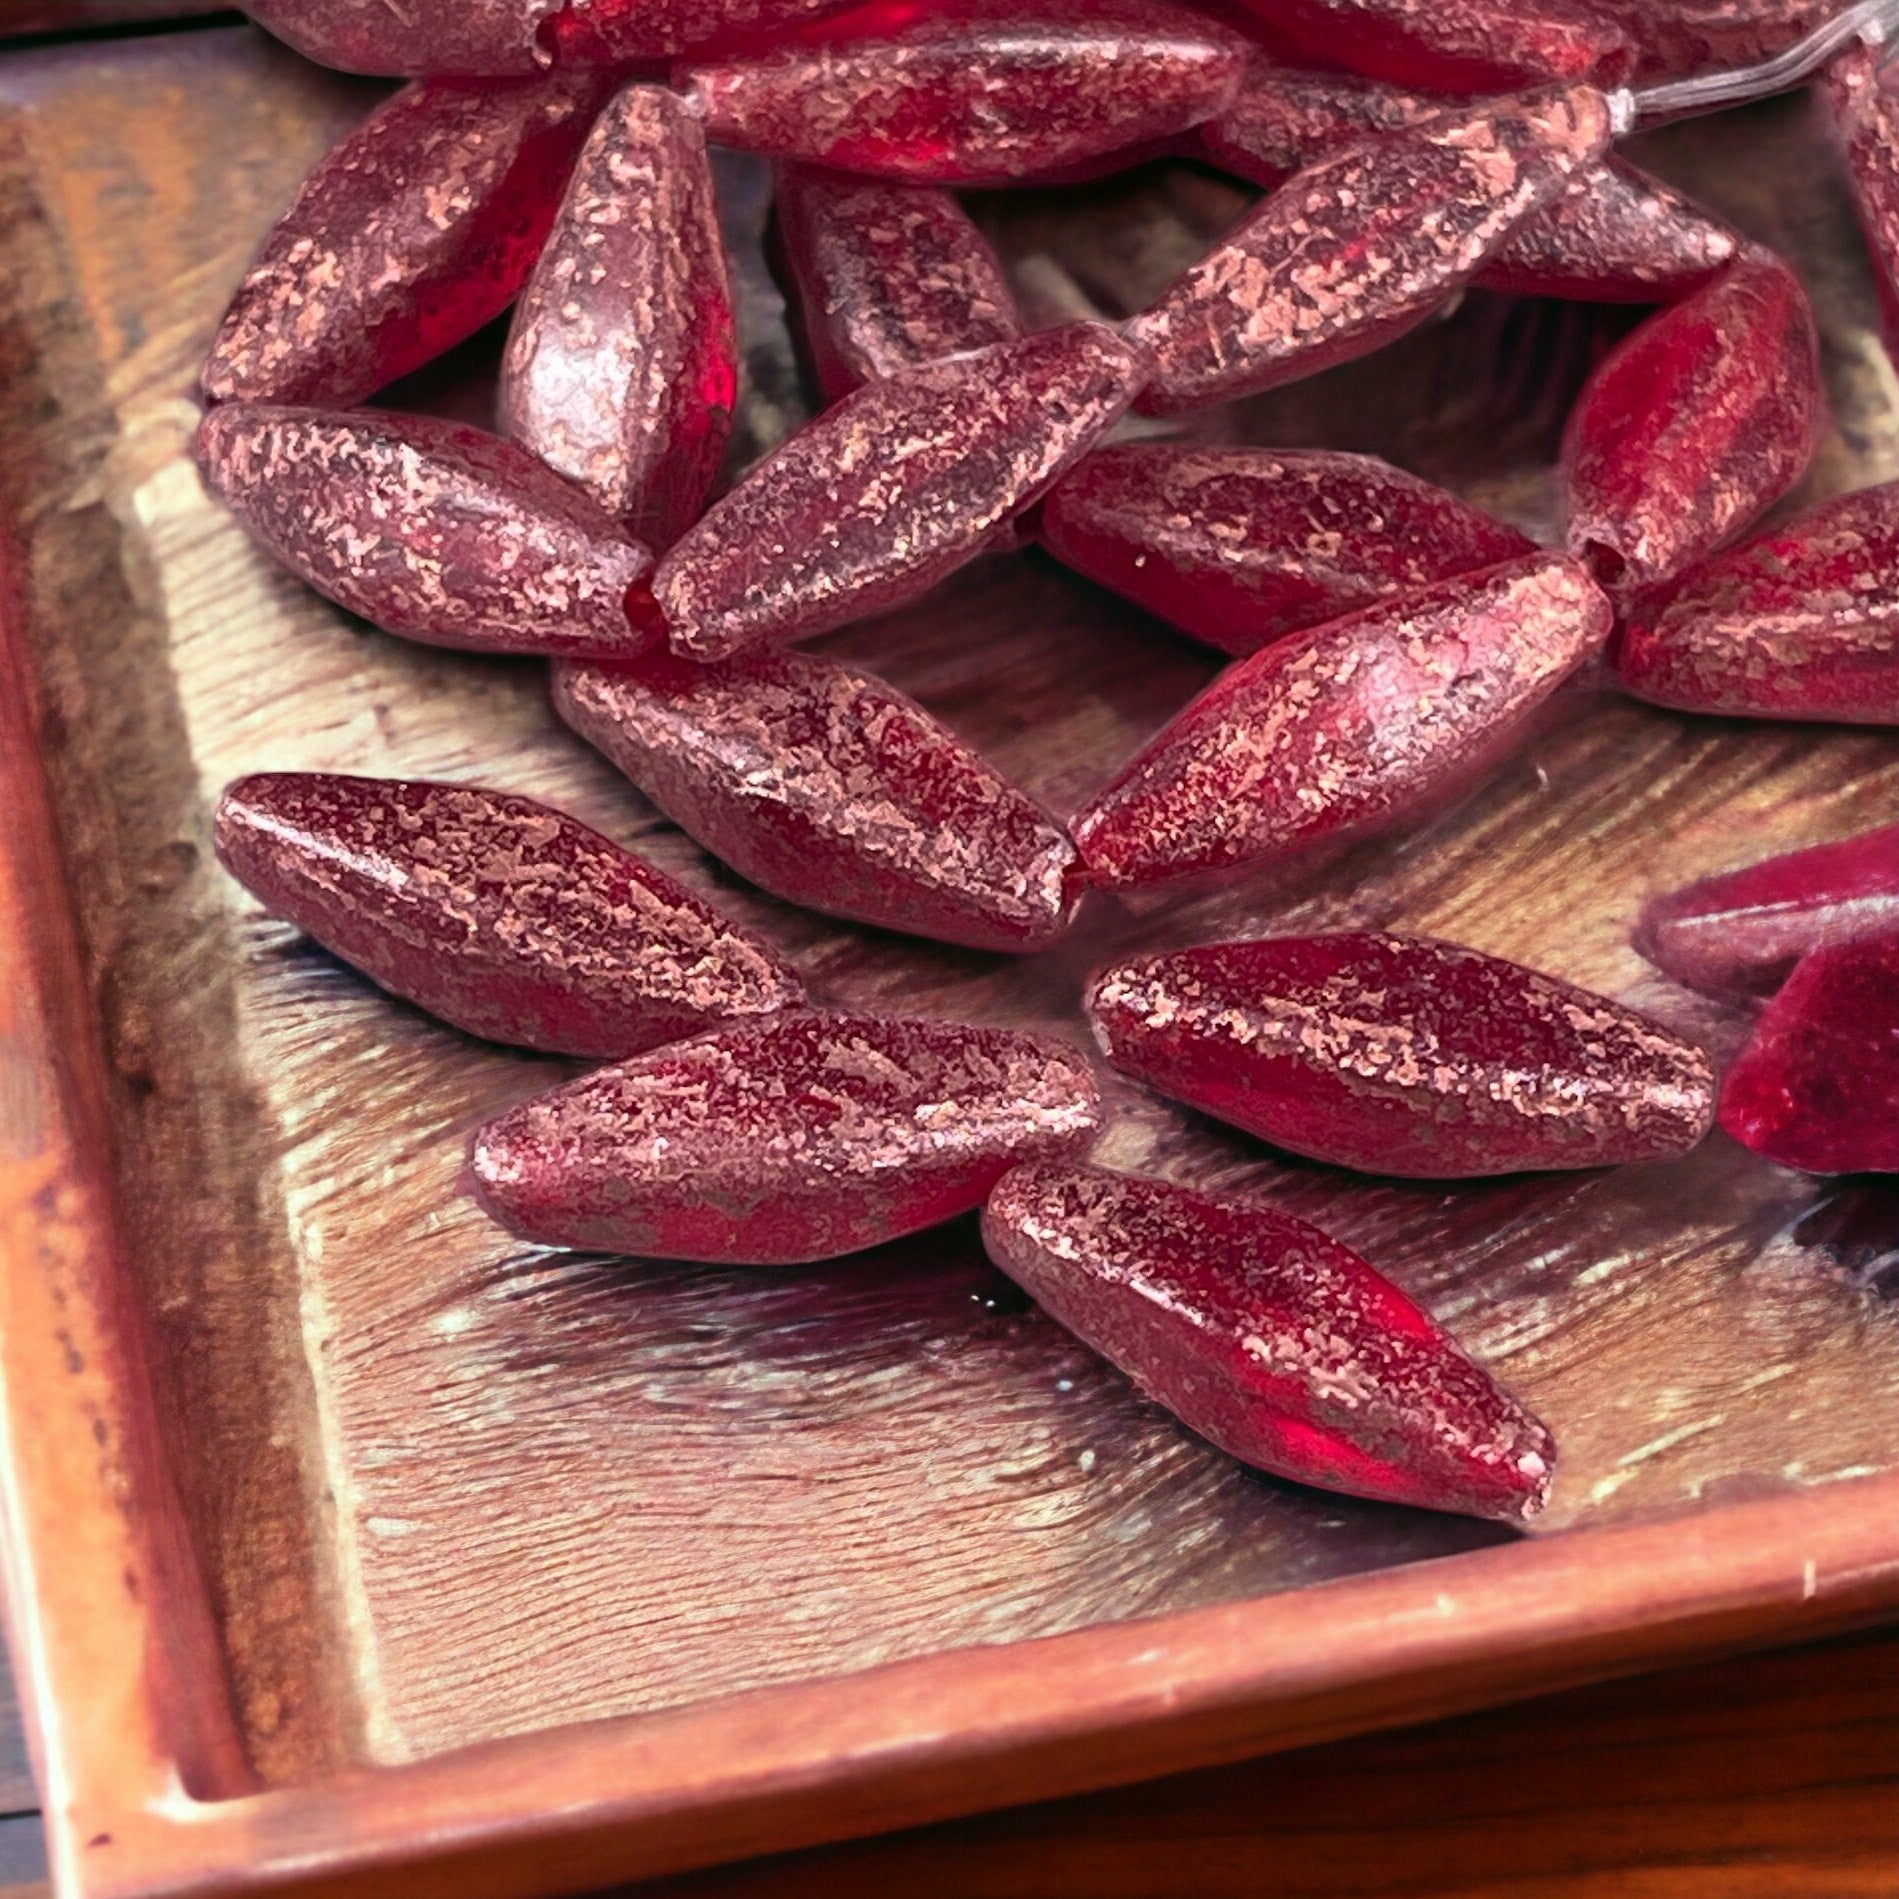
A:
[1676,39]
[1402,1055]
[1461,46]
[369,36]
[829,788]
[1860,87]
[969,94]
[1698,420]
[1269,1338]
[1817,1085]
[1241,546]
[775,1143]
[521,36]
[1358,726]
[1359,248]
[430,529]
[893,489]
[622,367]
[887,276]
[1800,622]
[1615,235]
[1742,932]
[612,32]
[416,230]
[493,912]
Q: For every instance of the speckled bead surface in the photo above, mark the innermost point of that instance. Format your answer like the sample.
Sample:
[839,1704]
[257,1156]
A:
[431,529]
[370,36]
[965,94]
[1740,933]
[827,787]
[1362,246]
[888,276]
[622,366]
[803,1138]
[1403,1055]
[1615,235]
[892,490]
[521,36]
[1676,39]
[414,231]
[1270,1339]
[1863,94]
[1691,427]
[1462,46]
[1241,546]
[1361,725]
[1800,622]
[1817,1084]
[499,915]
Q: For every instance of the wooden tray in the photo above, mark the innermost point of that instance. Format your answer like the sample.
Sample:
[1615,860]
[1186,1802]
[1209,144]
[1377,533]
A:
[350,1547]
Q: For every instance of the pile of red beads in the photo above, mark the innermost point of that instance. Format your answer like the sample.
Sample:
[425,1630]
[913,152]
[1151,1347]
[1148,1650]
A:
[1390,643]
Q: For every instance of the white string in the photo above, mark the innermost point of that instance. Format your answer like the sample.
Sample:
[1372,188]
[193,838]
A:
[1871,21]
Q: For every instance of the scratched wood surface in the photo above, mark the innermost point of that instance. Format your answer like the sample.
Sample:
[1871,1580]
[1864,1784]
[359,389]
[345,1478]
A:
[445,1487]
[1771,1777]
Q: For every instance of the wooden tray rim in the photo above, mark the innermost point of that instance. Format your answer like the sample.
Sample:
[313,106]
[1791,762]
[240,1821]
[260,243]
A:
[139,1754]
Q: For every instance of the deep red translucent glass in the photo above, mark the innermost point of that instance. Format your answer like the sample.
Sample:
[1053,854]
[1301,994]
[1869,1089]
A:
[1269,1338]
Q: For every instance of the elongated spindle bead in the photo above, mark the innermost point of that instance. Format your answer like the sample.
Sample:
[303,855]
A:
[622,366]
[888,276]
[1817,1084]
[431,529]
[421,226]
[827,787]
[1355,250]
[1403,1055]
[1698,421]
[499,915]
[1615,235]
[1270,1339]
[892,490]
[964,94]
[1358,726]
[1742,932]
[1799,622]
[1457,46]
[802,1138]
[1241,546]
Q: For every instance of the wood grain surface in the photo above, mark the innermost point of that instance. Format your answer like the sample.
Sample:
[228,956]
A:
[1772,1777]
[445,1489]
